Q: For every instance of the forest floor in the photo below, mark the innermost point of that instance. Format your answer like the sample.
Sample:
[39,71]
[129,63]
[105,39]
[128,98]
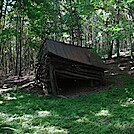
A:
[108,109]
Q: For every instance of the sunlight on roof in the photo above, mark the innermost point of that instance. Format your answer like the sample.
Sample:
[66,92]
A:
[103,113]
[130,101]
[54,130]
[43,113]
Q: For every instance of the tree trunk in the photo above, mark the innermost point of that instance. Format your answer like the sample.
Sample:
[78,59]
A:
[17,49]
[118,47]
[111,50]
[20,47]
[1,7]
[117,40]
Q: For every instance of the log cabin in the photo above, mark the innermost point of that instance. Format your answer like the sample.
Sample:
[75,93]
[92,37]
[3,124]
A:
[59,62]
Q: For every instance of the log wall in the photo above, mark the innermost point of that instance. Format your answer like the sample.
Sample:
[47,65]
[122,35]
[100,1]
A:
[53,67]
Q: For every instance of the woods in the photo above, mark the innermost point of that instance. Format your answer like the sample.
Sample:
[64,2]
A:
[66,66]
[104,26]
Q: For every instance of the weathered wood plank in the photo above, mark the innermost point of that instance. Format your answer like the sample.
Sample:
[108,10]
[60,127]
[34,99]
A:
[63,76]
[82,73]
[65,61]
[52,79]
[74,68]
[58,61]
[74,74]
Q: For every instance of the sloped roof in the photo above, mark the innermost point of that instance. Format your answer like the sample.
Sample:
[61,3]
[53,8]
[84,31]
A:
[74,53]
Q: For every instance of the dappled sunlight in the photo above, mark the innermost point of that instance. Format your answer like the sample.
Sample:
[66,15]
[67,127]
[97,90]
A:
[46,130]
[3,115]
[123,125]
[20,107]
[21,118]
[1,102]
[129,101]
[122,68]
[43,113]
[86,120]
[114,74]
[7,96]
[35,129]
[21,96]
[10,98]
[54,130]
[83,119]
[130,91]
[24,121]
[103,113]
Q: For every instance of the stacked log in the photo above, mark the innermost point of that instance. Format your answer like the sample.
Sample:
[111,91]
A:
[42,74]
[53,67]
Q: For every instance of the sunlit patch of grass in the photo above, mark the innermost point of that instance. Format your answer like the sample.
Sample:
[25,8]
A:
[103,113]
[128,102]
[1,102]
[54,130]
[43,113]
[110,111]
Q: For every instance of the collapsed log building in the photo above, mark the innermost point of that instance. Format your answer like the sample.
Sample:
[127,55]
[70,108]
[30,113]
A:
[59,62]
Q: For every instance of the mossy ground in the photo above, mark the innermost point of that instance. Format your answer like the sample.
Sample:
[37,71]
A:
[109,111]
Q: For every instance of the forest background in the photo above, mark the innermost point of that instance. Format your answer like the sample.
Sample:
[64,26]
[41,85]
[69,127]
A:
[106,26]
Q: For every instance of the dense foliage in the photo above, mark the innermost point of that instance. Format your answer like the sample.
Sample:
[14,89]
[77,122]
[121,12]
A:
[106,26]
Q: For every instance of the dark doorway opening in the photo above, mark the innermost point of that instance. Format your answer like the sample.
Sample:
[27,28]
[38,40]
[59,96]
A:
[67,86]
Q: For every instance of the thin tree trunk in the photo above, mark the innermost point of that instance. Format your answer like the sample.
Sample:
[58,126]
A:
[117,40]
[20,48]
[111,50]
[132,45]
[2,59]
[1,7]
[17,50]
[118,47]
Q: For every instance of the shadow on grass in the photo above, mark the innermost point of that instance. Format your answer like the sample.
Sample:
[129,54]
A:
[109,111]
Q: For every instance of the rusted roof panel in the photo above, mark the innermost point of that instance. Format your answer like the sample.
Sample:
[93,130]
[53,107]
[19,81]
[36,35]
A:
[74,53]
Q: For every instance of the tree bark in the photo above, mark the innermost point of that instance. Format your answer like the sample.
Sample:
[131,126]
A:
[111,50]
[1,7]
[20,47]
[117,22]
[17,49]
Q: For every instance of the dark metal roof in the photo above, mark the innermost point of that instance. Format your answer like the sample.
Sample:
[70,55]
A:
[74,53]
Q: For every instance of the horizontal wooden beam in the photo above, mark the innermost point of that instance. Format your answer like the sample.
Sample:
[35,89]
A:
[75,74]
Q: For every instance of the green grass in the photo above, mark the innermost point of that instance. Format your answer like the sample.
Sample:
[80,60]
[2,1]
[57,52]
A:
[106,112]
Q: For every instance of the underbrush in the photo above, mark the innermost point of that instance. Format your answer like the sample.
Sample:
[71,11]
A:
[106,112]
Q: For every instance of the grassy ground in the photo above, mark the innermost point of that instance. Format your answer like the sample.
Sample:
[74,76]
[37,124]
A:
[107,112]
